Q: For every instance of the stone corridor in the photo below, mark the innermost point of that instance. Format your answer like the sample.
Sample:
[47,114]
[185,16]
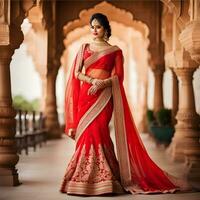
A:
[41,173]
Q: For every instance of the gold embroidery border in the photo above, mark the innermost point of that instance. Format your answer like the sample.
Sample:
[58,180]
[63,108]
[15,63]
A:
[120,134]
[135,189]
[78,65]
[97,55]
[93,111]
[108,186]
[79,61]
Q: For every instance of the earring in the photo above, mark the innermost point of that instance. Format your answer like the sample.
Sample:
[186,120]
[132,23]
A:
[105,37]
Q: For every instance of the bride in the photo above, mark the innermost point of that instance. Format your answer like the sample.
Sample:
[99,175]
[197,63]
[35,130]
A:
[91,98]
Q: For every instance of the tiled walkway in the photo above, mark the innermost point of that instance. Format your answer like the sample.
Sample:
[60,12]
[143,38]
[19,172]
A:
[41,173]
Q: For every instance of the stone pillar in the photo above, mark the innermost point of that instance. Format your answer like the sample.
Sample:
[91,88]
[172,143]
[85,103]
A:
[12,14]
[142,93]
[185,143]
[158,88]
[53,63]
[188,120]
[8,153]
[51,113]
[174,97]
[44,92]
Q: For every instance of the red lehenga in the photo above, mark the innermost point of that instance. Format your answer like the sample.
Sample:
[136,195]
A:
[94,168]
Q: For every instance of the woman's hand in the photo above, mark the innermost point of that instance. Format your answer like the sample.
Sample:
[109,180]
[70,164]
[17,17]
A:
[72,133]
[96,85]
[99,84]
[92,90]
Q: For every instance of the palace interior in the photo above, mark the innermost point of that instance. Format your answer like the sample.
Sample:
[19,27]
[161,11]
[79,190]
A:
[160,40]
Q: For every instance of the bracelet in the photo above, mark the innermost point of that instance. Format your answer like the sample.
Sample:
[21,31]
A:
[91,79]
[84,77]
[108,81]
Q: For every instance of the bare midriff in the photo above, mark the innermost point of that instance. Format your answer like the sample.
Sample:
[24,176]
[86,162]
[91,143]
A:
[98,73]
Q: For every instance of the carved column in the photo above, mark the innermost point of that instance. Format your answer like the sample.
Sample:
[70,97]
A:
[185,143]
[53,64]
[142,93]
[12,14]
[158,88]
[44,92]
[51,107]
[8,153]
[188,126]
[174,96]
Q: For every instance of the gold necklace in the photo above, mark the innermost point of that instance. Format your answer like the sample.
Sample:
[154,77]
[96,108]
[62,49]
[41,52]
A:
[100,43]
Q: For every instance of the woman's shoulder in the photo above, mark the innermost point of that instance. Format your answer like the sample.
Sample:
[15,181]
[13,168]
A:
[84,44]
[118,47]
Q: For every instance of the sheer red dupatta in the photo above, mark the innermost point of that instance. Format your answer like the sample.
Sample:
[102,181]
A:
[139,174]
[72,94]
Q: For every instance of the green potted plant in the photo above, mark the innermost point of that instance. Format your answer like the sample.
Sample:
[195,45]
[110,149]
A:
[161,128]
[150,116]
[151,120]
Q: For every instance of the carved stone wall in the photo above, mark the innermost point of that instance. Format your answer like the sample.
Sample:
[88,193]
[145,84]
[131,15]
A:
[184,59]
[12,14]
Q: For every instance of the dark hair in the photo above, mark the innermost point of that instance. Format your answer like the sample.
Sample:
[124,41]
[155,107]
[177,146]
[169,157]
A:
[103,20]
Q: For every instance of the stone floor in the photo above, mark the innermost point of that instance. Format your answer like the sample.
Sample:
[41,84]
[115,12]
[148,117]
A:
[41,173]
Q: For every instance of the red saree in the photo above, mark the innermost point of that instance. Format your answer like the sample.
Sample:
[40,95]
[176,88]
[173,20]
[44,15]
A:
[94,168]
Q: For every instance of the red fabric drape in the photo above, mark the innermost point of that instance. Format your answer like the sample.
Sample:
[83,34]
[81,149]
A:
[146,176]
[72,94]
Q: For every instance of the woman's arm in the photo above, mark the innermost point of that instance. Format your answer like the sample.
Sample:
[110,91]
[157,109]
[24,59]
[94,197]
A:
[82,77]
[79,66]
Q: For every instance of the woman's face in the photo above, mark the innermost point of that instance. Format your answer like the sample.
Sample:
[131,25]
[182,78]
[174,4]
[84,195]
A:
[96,29]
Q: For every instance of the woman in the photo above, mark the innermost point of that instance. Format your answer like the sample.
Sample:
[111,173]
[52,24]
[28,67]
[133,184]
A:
[90,100]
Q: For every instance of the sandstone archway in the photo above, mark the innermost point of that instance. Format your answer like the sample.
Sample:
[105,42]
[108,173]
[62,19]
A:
[135,44]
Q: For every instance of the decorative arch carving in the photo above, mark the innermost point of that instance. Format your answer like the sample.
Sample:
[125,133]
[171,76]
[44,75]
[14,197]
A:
[180,9]
[113,13]
[133,36]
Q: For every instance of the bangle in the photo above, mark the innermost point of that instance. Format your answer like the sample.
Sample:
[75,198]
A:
[91,80]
